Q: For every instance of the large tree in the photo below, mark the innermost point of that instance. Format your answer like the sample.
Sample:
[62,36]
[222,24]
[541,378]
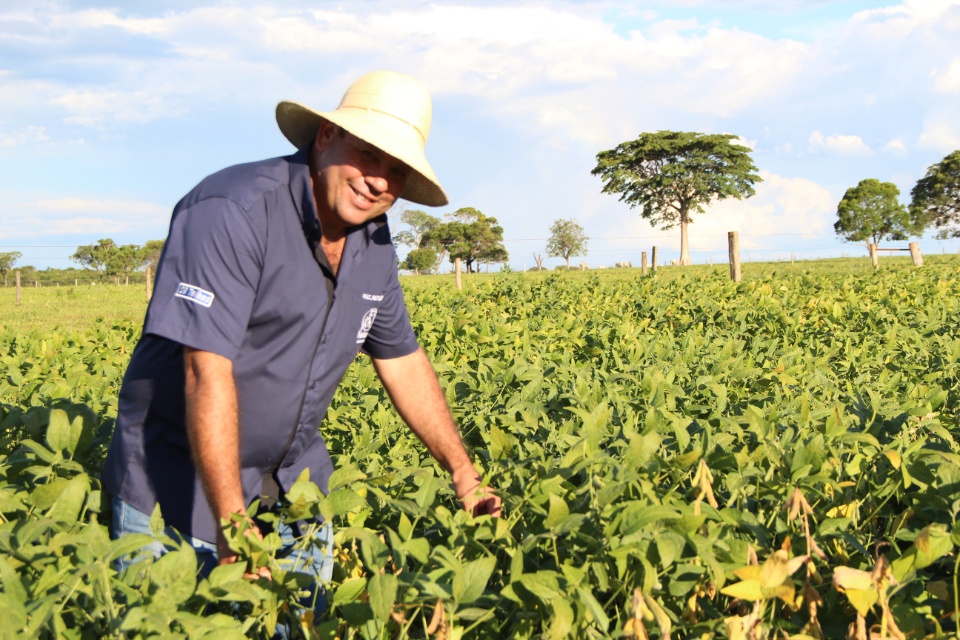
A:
[421,260]
[871,211]
[418,224]
[671,175]
[7,260]
[935,199]
[95,256]
[567,239]
[124,259]
[469,235]
[150,254]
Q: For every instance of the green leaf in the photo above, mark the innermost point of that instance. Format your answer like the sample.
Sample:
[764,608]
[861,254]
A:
[542,584]
[14,612]
[12,584]
[594,607]
[476,575]
[561,623]
[931,544]
[382,589]
[176,573]
[342,477]
[349,591]
[225,574]
[58,432]
[339,502]
[557,513]
[70,501]
[127,544]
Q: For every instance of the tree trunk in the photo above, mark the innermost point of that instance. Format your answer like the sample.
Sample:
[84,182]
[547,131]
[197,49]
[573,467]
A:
[684,241]
[567,258]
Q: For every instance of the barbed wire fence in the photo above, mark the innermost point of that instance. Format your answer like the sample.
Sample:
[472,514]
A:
[602,251]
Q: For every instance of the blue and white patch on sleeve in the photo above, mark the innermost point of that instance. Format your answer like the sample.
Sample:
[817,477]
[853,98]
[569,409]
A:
[195,294]
[366,324]
[372,297]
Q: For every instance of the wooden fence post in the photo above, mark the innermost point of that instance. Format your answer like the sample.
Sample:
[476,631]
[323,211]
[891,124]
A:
[733,240]
[653,260]
[915,254]
[149,284]
[643,263]
[459,281]
[874,258]
[18,286]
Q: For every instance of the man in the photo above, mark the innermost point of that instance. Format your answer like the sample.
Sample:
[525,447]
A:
[274,276]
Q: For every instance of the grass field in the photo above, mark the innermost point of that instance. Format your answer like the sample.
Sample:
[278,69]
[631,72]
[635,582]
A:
[77,307]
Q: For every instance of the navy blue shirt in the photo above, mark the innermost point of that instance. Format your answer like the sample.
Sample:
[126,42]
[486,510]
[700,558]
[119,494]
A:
[242,276]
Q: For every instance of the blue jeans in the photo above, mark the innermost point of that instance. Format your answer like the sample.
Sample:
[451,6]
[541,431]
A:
[318,562]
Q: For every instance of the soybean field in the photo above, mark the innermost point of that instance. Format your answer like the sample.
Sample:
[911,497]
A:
[679,457]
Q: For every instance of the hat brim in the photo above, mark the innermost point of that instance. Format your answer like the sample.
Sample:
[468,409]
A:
[299,124]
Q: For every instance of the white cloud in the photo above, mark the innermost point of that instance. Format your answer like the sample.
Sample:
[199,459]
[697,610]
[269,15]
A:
[781,205]
[949,80]
[895,146]
[80,216]
[23,136]
[847,145]
[940,134]
[94,108]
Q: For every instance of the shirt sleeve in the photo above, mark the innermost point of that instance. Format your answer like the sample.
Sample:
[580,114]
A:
[207,278]
[391,335]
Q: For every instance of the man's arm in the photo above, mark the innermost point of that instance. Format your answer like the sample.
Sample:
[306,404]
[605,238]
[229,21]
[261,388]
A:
[414,390]
[213,429]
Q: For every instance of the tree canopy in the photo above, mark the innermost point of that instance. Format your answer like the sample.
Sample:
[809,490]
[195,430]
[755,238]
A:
[671,175]
[418,223]
[567,239]
[106,258]
[7,260]
[94,256]
[935,199]
[469,235]
[872,211]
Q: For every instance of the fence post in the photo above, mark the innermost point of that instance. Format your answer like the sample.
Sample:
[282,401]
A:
[733,240]
[915,254]
[643,263]
[149,284]
[18,286]
[874,258]
[459,281]
[653,260]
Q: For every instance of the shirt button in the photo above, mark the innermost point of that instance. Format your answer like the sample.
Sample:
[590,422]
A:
[323,340]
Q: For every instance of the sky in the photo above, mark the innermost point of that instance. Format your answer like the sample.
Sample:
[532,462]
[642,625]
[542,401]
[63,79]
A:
[110,112]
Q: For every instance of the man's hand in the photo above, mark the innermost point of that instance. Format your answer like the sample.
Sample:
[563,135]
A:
[226,555]
[478,500]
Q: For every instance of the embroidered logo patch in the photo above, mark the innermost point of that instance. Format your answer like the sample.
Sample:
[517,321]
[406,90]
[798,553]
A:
[195,294]
[371,297]
[366,324]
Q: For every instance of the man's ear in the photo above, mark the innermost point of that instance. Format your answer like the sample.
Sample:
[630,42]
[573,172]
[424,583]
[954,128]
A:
[325,134]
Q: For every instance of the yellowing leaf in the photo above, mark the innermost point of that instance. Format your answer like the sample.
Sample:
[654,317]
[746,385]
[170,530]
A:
[744,590]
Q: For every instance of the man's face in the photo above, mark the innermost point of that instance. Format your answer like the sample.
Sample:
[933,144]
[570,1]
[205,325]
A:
[353,181]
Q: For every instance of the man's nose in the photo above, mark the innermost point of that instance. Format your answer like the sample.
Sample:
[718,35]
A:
[377,184]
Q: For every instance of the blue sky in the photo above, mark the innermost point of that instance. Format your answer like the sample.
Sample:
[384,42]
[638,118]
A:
[110,112]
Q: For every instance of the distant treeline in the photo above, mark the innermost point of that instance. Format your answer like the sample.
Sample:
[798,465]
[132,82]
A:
[51,277]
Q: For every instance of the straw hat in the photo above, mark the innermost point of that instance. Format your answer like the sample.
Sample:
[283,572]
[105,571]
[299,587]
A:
[387,109]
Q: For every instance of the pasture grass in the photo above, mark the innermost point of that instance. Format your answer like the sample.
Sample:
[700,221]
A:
[77,308]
